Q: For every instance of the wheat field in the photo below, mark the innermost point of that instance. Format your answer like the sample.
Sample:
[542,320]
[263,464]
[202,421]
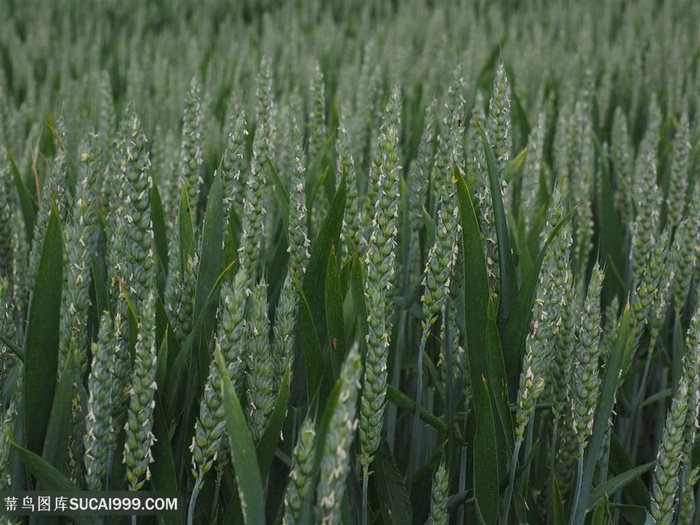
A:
[352,262]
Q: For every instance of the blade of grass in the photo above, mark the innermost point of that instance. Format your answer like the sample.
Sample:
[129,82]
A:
[316,379]
[315,276]
[391,489]
[280,193]
[476,290]
[404,402]
[268,443]
[160,233]
[186,231]
[486,477]
[245,463]
[51,478]
[211,257]
[60,426]
[26,202]
[42,341]
[334,315]
[611,486]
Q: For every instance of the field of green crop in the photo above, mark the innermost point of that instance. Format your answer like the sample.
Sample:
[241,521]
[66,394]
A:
[353,261]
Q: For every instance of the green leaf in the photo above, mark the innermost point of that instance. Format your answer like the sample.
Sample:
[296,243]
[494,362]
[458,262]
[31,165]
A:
[517,324]
[508,277]
[42,341]
[26,202]
[334,315]
[280,193]
[486,75]
[486,477]
[163,476]
[268,443]
[357,287]
[321,248]
[619,461]
[60,426]
[600,515]
[160,232]
[518,113]
[611,486]
[51,479]
[634,514]
[178,367]
[611,232]
[313,357]
[404,402]
[515,166]
[557,504]
[245,463]
[211,258]
[162,362]
[476,289]
[391,489]
[498,386]
[187,245]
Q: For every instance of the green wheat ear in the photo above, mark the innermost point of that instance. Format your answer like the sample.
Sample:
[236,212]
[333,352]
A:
[139,436]
[438,496]
[378,287]
[300,475]
[335,462]
[261,377]
[191,158]
[99,428]
[668,459]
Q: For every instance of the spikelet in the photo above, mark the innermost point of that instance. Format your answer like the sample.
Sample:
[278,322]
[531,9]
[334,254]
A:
[261,369]
[534,163]
[5,427]
[232,328]
[678,183]
[438,496]
[78,236]
[418,179]
[234,162]
[7,210]
[191,159]
[622,159]
[210,426]
[298,240]
[499,133]
[139,437]
[585,388]
[646,224]
[99,430]
[254,215]
[335,462]
[352,231]
[379,283]
[300,479]
[664,497]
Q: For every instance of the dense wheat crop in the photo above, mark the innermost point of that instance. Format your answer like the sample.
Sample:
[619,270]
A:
[353,262]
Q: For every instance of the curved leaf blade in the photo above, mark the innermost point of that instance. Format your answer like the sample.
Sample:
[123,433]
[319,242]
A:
[245,463]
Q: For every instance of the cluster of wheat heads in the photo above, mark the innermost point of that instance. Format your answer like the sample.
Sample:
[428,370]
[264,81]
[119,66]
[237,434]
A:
[353,262]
